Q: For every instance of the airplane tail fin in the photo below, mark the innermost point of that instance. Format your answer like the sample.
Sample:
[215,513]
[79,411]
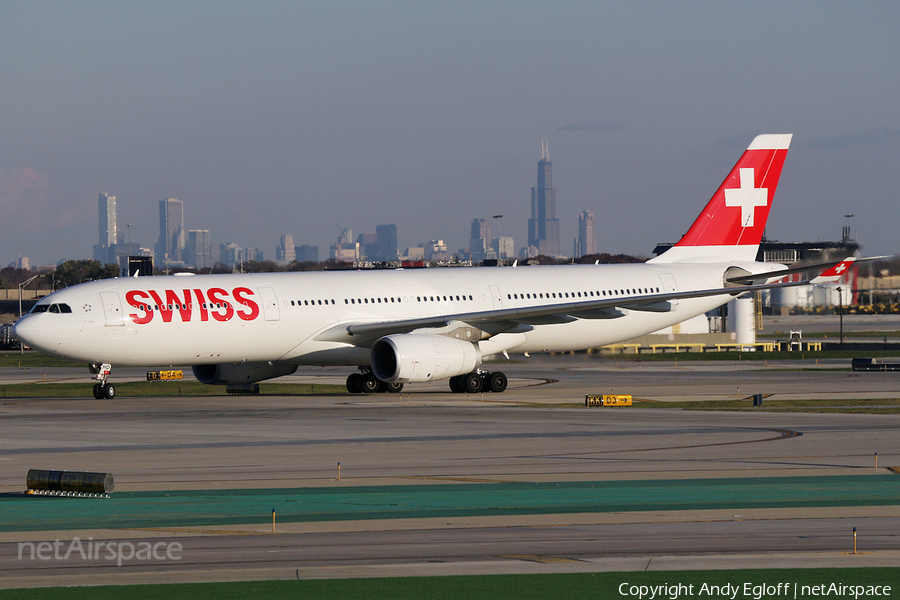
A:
[731,226]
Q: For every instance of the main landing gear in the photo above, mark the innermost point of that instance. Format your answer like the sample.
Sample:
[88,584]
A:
[477,382]
[365,382]
[104,389]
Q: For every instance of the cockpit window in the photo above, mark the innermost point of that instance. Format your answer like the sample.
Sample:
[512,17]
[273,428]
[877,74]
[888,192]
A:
[53,308]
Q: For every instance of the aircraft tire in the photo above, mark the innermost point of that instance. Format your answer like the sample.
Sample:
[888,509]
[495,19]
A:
[353,383]
[368,384]
[109,392]
[496,382]
[98,391]
[456,384]
[472,383]
[387,387]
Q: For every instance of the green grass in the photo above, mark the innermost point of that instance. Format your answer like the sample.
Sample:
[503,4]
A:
[35,359]
[143,389]
[139,389]
[490,587]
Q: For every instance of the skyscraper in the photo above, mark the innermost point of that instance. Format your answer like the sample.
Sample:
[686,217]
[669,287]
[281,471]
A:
[307,253]
[286,251]
[387,242]
[587,242]
[543,226]
[105,250]
[107,210]
[198,249]
[480,238]
[172,242]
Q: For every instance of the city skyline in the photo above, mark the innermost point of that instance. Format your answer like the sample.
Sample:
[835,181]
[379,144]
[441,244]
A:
[179,246]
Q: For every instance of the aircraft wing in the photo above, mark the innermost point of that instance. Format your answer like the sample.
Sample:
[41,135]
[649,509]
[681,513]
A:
[831,268]
[522,319]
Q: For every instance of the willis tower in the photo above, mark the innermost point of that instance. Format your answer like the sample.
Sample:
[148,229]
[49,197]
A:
[543,226]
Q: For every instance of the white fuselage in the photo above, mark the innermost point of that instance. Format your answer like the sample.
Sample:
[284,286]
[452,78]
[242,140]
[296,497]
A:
[277,317]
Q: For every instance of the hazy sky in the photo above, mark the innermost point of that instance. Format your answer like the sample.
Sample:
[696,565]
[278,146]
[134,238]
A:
[268,118]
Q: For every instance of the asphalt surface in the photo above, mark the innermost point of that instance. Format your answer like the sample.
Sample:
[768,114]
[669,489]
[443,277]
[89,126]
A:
[537,432]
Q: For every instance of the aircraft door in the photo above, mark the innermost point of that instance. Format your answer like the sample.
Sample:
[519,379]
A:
[496,297]
[112,309]
[668,285]
[270,304]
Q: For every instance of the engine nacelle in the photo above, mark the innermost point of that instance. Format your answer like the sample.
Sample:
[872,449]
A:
[416,358]
[246,372]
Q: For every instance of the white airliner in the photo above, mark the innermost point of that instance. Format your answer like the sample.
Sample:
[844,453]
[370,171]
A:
[415,325]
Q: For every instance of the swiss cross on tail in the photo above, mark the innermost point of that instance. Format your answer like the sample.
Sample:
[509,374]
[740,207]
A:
[733,221]
[747,197]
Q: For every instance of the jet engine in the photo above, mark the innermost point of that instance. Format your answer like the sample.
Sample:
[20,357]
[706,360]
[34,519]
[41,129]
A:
[416,358]
[237,373]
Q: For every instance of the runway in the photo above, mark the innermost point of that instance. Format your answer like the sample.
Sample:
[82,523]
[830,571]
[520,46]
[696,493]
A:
[193,458]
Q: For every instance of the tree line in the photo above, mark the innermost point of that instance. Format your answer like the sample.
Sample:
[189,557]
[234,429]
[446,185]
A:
[73,272]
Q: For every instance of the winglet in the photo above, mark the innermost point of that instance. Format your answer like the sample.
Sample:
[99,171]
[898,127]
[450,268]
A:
[834,273]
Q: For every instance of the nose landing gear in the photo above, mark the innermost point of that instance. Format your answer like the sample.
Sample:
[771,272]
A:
[104,389]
